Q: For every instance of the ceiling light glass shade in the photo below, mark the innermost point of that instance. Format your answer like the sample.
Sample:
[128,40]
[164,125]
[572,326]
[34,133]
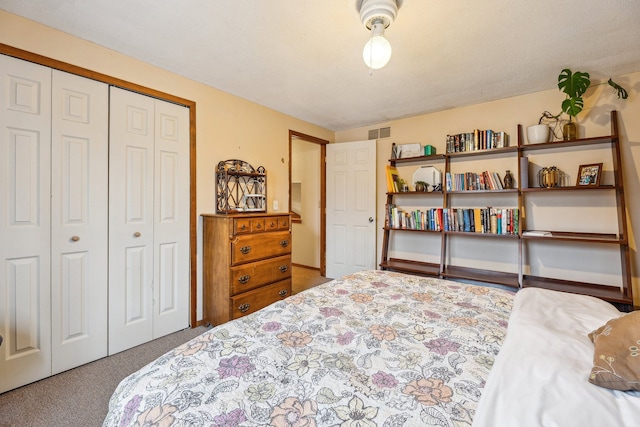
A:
[377,52]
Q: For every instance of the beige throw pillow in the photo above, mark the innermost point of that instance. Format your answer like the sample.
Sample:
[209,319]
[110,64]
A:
[616,361]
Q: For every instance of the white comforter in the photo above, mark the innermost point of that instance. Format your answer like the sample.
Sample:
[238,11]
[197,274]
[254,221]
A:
[540,377]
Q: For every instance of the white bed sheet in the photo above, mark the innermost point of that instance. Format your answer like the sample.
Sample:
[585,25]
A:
[540,377]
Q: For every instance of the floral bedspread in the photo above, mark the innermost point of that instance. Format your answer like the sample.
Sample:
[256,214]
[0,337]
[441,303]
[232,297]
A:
[370,349]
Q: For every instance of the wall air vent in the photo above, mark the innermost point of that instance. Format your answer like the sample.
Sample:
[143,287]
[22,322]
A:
[380,133]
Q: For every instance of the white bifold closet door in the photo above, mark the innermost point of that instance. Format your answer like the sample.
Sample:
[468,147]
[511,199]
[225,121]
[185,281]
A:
[79,220]
[25,236]
[53,221]
[148,219]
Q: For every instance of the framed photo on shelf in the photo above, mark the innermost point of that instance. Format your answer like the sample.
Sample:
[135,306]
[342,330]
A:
[589,174]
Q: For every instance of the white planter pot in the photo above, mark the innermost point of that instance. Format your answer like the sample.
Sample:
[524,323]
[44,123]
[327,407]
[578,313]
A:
[537,134]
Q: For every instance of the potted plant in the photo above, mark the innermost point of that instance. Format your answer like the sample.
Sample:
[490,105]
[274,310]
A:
[574,85]
[421,186]
[540,132]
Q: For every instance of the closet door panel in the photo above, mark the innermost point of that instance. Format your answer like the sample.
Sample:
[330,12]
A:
[131,231]
[25,133]
[79,190]
[171,228]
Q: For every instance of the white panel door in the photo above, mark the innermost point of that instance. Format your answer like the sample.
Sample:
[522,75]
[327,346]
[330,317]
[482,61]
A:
[131,170]
[25,133]
[79,222]
[171,219]
[351,207]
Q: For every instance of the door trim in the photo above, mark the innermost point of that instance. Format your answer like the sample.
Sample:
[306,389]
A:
[323,190]
[94,75]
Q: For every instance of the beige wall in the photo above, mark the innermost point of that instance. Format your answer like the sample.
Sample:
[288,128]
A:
[505,114]
[227,126]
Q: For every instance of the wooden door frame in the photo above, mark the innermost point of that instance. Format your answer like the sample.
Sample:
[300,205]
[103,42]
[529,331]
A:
[113,81]
[323,190]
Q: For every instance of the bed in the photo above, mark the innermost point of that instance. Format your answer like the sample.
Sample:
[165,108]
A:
[374,348]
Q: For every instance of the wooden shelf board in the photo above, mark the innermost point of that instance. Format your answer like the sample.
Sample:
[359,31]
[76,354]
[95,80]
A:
[474,234]
[413,193]
[488,276]
[490,151]
[510,190]
[411,229]
[580,237]
[412,267]
[571,188]
[573,143]
[432,158]
[607,293]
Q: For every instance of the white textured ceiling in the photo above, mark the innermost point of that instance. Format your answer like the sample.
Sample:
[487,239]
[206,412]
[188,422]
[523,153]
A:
[304,57]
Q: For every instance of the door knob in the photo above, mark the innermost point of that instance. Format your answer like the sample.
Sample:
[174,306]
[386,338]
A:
[370,219]
[75,238]
[137,234]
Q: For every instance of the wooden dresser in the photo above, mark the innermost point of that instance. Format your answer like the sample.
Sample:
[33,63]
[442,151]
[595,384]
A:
[246,263]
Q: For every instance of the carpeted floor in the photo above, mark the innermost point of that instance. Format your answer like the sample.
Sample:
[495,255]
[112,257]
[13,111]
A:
[79,397]
[303,278]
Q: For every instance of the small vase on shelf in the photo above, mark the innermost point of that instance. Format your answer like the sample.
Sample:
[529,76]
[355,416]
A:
[507,181]
[569,131]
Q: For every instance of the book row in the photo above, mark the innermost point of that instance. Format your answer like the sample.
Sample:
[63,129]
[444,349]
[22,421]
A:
[476,140]
[474,220]
[470,181]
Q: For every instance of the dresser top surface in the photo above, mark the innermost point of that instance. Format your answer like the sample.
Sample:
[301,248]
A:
[246,215]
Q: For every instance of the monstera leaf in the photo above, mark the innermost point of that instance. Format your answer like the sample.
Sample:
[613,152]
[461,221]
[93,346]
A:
[572,106]
[622,93]
[574,85]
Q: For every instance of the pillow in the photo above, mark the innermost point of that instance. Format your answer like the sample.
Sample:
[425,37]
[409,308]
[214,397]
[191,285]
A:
[616,361]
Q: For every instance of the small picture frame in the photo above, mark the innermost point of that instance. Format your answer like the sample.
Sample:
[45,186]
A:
[589,174]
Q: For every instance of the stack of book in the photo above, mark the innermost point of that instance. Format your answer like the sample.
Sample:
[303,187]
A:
[473,220]
[471,181]
[481,220]
[476,140]
[429,219]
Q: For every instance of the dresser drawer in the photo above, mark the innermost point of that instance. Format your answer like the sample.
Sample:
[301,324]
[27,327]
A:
[241,225]
[254,300]
[249,225]
[271,223]
[247,248]
[249,276]
[283,223]
[260,224]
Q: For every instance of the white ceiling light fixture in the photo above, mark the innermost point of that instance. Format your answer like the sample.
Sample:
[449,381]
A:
[377,15]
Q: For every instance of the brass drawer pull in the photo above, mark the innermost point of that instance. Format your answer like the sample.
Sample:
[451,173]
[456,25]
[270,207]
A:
[243,227]
[272,225]
[283,268]
[284,243]
[245,249]
[244,279]
[244,308]
[283,293]
[258,226]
